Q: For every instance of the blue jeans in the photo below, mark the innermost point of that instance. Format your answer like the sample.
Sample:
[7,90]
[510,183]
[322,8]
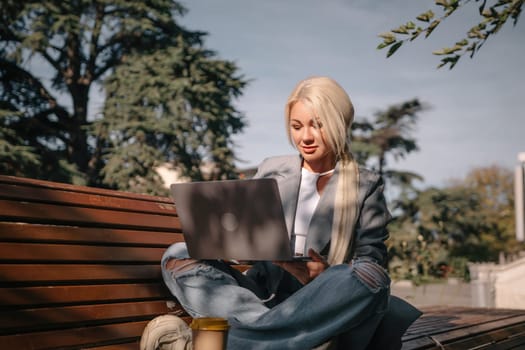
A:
[347,300]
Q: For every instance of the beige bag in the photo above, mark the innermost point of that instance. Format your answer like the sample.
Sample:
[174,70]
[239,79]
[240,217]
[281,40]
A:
[166,332]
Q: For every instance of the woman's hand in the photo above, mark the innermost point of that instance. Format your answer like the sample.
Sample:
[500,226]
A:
[305,271]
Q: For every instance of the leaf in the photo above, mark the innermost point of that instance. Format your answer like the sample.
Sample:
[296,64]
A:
[449,60]
[447,50]
[431,27]
[388,37]
[487,13]
[394,48]
[475,33]
[384,44]
[482,7]
[452,7]
[416,33]
[401,30]
[426,16]
[463,42]
[472,48]
[440,52]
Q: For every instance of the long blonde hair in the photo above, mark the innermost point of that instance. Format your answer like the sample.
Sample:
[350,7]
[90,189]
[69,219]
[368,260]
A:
[334,110]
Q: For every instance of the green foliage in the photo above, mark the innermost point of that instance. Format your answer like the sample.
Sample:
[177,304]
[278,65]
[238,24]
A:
[440,230]
[388,136]
[181,112]
[17,158]
[494,14]
[415,259]
[494,187]
[79,45]
[130,166]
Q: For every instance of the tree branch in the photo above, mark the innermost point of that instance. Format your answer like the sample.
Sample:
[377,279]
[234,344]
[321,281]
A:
[493,18]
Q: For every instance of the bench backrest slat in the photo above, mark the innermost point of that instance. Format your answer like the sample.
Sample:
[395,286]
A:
[30,252]
[42,195]
[72,337]
[57,186]
[70,215]
[76,273]
[41,318]
[24,232]
[29,296]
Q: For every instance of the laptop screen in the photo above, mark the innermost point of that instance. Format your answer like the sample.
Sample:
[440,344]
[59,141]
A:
[233,219]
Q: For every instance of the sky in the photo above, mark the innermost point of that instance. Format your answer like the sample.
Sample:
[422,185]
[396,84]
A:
[475,116]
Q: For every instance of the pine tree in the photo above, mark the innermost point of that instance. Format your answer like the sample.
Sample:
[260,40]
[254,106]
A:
[388,135]
[54,53]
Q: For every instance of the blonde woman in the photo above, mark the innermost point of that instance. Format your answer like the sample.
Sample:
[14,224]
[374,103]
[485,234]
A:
[336,214]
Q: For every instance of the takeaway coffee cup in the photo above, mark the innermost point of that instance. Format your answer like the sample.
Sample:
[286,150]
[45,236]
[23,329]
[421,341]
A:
[209,333]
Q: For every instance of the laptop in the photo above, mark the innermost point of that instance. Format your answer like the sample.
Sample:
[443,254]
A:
[239,220]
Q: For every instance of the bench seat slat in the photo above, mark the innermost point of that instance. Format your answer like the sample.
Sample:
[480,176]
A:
[516,341]
[50,213]
[495,330]
[460,318]
[77,272]
[421,342]
[30,252]
[22,232]
[464,328]
[489,337]
[69,294]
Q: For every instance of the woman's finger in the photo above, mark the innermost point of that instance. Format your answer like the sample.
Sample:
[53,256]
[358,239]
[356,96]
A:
[315,256]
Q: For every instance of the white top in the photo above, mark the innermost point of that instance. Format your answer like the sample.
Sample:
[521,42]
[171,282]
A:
[306,203]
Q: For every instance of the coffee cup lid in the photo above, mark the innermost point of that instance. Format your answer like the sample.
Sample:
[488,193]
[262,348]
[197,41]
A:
[209,324]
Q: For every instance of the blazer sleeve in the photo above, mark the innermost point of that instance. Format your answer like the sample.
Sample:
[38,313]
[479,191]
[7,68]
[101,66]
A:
[371,229]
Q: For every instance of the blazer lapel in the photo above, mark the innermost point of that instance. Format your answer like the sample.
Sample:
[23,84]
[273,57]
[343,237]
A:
[289,191]
[320,230]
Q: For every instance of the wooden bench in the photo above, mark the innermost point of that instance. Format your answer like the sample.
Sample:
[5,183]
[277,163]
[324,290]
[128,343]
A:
[80,268]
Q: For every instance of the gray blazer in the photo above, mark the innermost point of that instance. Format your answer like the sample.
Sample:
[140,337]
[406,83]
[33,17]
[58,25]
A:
[370,235]
[370,232]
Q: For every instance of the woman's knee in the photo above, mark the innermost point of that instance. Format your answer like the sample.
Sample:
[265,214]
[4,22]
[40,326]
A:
[175,251]
[371,274]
